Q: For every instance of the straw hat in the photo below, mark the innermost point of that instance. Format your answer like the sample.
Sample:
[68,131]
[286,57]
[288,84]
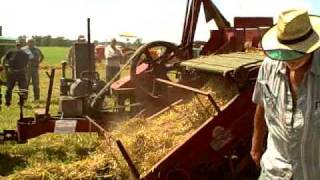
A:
[296,30]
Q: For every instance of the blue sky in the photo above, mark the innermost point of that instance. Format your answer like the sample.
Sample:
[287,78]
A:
[148,19]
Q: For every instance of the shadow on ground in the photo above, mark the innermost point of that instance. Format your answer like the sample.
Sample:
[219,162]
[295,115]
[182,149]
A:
[8,164]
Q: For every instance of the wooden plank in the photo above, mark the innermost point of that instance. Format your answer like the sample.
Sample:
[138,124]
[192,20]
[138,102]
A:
[213,69]
[231,57]
[244,56]
[223,63]
[227,61]
[214,63]
[234,57]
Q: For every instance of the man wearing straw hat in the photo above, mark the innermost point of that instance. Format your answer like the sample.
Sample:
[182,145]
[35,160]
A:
[287,94]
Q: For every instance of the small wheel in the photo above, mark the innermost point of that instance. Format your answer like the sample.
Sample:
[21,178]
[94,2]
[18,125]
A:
[155,60]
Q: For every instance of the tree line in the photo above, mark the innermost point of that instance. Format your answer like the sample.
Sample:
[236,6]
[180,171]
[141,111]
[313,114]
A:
[63,42]
[48,40]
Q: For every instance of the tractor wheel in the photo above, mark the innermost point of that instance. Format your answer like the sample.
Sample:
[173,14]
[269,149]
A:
[155,60]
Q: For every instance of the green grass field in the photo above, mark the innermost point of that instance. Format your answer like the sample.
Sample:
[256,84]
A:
[54,55]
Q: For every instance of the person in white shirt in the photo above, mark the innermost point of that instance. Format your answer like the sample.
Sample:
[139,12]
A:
[113,58]
[288,100]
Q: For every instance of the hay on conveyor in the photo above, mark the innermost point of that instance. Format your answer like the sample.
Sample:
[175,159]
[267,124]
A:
[149,141]
[146,141]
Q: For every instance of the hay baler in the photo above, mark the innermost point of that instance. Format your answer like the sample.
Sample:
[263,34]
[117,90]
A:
[224,140]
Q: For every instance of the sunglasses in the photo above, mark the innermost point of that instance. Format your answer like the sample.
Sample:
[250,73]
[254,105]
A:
[284,54]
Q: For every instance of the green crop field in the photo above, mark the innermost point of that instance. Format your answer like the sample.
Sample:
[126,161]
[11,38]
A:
[54,55]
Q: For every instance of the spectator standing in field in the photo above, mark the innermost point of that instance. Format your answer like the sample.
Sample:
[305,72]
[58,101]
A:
[35,58]
[113,58]
[15,63]
[287,94]
[71,54]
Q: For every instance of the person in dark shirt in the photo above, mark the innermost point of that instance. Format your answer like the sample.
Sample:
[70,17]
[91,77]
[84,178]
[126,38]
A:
[15,63]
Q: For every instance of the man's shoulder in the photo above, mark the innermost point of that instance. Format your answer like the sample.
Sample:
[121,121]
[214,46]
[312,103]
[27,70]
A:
[108,47]
[37,48]
[317,54]
[22,52]
[268,63]
[8,53]
[12,51]
[269,67]
[25,47]
[109,50]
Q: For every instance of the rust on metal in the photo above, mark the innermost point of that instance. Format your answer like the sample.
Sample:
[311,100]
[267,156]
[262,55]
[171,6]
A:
[96,124]
[49,125]
[253,22]
[212,12]
[191,20]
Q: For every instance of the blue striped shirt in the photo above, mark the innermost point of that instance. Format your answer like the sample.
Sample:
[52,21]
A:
[293,144]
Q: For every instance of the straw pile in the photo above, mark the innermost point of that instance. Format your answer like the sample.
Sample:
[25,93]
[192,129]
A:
[146,141]
[149,141]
